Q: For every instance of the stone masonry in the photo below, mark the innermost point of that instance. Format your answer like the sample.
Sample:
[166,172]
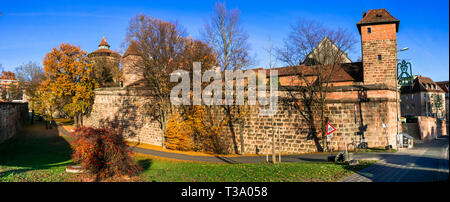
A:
[12,116]
[379,49]
[126,107]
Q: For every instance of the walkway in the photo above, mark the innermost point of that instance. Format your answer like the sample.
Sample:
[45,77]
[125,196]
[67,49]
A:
[248,159]
[426,162]
[257,159]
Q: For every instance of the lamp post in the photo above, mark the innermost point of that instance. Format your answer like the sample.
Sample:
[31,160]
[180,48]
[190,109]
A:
[396,94]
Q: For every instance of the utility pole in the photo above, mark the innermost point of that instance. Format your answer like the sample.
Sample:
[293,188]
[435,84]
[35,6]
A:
[396,93]
[343,131]
[279,147]
[266,138]
[273,147]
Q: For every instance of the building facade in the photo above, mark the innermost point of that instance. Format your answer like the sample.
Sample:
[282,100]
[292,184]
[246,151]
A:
[423,98]
[8,82]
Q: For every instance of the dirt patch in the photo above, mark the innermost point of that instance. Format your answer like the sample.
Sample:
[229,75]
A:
[86,177]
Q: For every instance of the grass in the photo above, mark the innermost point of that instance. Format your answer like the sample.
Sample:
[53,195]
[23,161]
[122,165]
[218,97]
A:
[40,155]
[159,170]
[65,122]
[375,149]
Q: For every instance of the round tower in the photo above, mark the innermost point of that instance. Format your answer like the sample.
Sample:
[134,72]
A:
[105,65]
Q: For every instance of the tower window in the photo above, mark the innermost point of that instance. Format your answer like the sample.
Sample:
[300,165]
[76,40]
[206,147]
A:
[369,30]
[379,57]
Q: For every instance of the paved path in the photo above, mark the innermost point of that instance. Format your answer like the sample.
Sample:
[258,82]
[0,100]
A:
[426,162]
[257,159]
[247,159]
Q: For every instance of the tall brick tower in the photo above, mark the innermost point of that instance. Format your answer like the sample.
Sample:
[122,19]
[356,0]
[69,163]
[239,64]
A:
[131,71]
[378,31]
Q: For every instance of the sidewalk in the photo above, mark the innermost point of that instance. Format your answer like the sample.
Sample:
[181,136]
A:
[428,161]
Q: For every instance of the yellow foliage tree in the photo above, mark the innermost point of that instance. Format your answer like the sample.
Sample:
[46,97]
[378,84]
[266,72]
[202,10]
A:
[178,134]
[194,129]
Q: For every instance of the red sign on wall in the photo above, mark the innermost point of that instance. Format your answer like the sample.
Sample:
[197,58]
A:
[330,129]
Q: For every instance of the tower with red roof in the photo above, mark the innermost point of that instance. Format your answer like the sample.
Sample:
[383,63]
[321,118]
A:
[105,65]
[378,30]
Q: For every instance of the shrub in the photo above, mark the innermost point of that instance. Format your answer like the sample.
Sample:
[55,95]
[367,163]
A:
[178,133]
[103,152]
[194,130]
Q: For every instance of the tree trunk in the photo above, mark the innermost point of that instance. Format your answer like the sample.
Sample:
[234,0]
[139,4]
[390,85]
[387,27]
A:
[241,136]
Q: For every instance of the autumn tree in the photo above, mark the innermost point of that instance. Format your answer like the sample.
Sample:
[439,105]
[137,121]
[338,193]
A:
[161,45]
[14,92]
[30,76]
[67,73]
[201,131]
[323,50]
[4,94]
[164,48]
[46,101]
[229,41]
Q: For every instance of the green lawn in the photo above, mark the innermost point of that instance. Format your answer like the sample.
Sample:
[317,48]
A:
[168,171]
[40,157]
[36,155]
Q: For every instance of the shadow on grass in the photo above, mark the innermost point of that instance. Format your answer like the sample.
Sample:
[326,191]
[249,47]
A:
[145,164]
[34,148]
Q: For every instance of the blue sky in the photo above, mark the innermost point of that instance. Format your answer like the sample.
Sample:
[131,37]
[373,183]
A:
[30,29]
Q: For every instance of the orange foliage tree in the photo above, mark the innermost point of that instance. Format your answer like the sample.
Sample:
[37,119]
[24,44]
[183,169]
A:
[67,75]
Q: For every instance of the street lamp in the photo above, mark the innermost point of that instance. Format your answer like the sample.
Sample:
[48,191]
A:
[396,93]
[403,49]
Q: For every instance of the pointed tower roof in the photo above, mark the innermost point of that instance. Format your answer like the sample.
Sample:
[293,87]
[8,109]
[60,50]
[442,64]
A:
[103,50]
[378,16]
[133,49]
[103,44]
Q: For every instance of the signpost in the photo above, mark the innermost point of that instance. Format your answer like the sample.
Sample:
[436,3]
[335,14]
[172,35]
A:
[330,129]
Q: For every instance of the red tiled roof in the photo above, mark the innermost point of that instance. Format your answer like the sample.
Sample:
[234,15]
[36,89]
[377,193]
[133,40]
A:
[422,84]
[103,42]
[378,16]
[342,72]
[133,49]
[444,85]
[104,52]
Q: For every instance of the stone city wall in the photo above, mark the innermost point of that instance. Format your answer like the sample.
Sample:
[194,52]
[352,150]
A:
[12,117]
[363,113]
